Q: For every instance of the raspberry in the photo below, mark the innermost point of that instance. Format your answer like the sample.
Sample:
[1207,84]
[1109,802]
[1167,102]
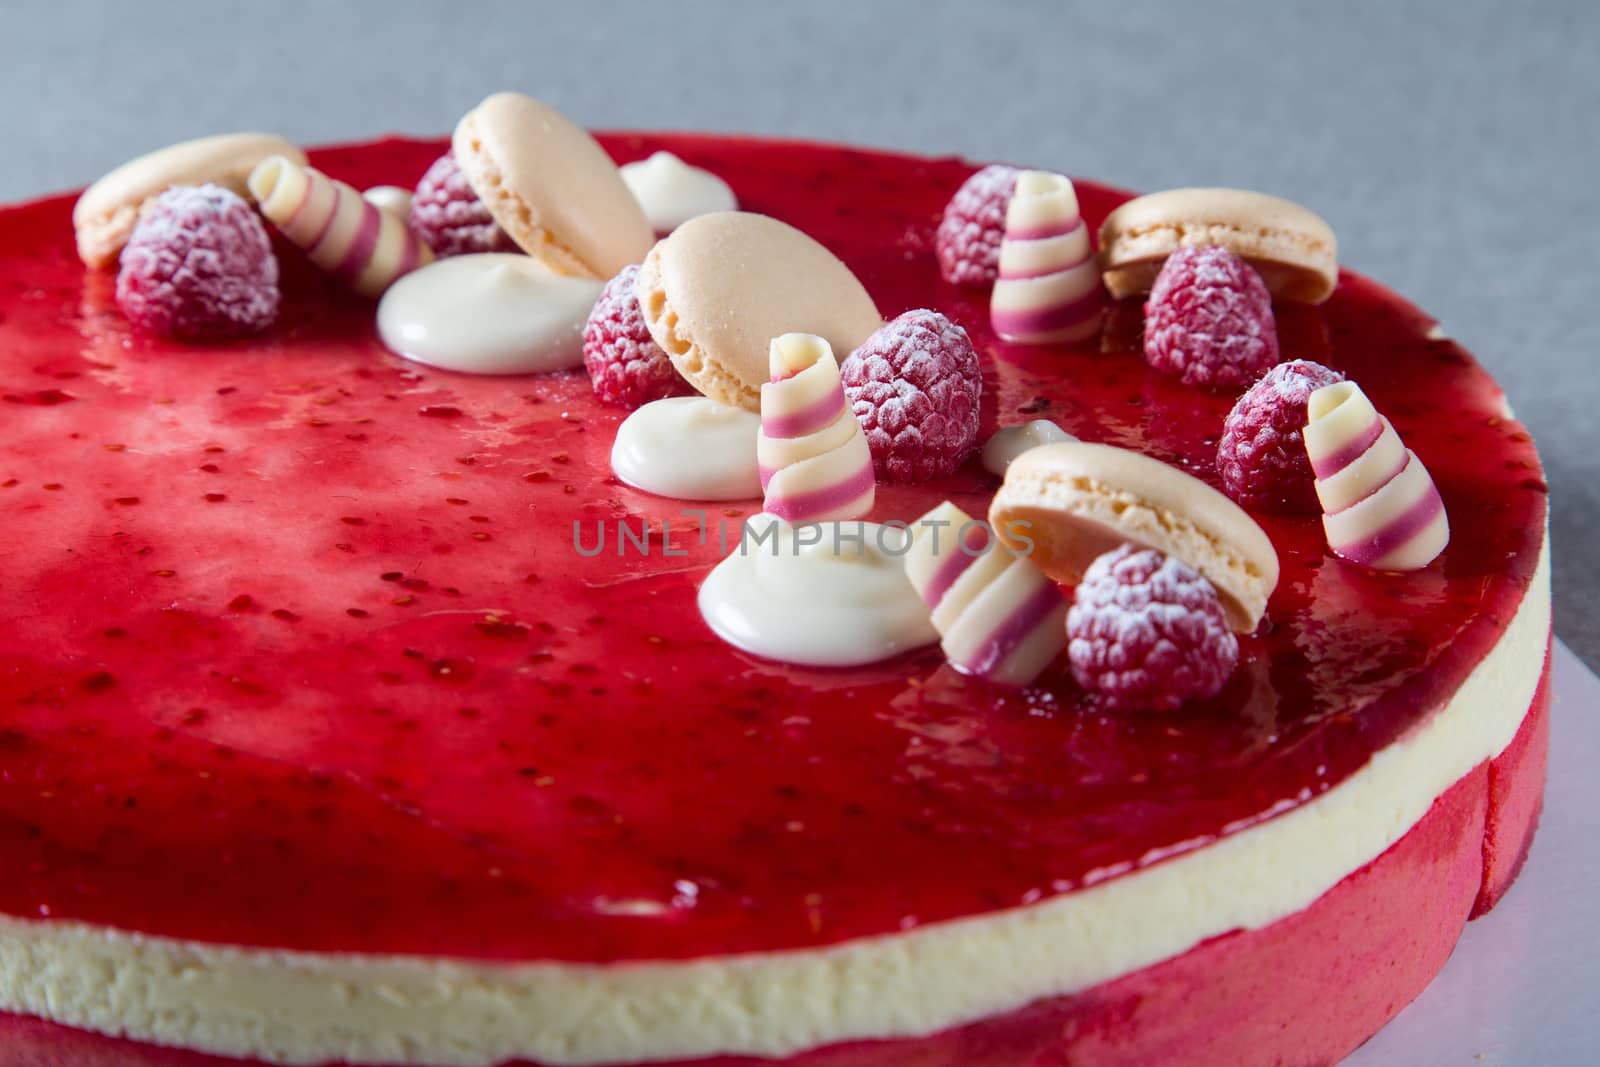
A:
[914,387]
[199,265]
[448,215]
[968,239]
[625,366]
[1262,455]
[1146,632]
[1209,320]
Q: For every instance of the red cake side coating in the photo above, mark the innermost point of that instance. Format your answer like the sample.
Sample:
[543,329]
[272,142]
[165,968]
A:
[296,649]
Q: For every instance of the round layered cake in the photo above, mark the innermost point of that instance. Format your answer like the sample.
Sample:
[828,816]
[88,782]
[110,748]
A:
[356,711]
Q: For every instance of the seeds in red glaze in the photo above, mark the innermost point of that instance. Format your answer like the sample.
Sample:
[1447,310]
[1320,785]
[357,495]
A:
[1147,633]
[448,215]
[1209,321]
[914,386]
[1262,455]
[199,265]
[967,242]
[626,367]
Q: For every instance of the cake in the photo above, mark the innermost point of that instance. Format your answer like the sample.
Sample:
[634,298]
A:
[325,737]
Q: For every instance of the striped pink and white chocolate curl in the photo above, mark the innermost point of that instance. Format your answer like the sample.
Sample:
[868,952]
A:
[342,232]
[1380,506]
[1048,290]
[999,617]
[814,460]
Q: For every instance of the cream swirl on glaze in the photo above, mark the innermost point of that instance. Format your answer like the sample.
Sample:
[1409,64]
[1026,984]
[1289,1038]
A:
[672,192]
[488,313]
[689,448]
[831,594]
[1009,442]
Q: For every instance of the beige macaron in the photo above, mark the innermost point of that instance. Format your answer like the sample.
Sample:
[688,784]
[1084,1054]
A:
[722,286]
[1292,248]
[551,187]
[105,214]
[1065,504]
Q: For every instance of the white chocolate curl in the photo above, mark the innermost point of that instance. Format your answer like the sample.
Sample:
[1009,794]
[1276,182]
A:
[344,234]
[1380,507]
[1049,290]
[814,460]
[998,615]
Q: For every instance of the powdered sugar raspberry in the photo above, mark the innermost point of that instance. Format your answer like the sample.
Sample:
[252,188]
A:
[625,366]
[448,215]
[1209,320]
[1146,632]
[914,386]
[967,242]
[198,265]
[1262,454]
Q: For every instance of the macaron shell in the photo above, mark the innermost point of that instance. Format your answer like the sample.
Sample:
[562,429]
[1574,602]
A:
[722,286]
[1075,501]
[551,186]
[106,213]
[1292,247]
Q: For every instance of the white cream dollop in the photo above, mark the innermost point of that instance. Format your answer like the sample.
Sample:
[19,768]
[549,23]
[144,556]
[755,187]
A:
[1012,441]
[672,192]
[391,198]
[492,313]
[832,594]
[689,448]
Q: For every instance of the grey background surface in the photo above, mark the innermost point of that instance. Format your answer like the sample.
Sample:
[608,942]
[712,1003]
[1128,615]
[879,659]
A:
[1452,145]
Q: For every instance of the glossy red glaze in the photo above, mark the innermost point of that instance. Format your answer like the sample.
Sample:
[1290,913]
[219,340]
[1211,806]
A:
[296,648]
[1256,998]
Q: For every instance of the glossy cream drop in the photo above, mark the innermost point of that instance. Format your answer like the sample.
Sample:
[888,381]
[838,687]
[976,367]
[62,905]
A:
[689,448]
[1012,441]
[817,595]
[672,192]
[491,313]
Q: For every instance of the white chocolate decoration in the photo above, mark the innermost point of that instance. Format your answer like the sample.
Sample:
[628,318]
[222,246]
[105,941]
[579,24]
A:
[1012,441]
[1048,290]
[999,616]
[391,198]
[491,313]
[672,192]
[345,235]
[1380,506]
[689,448]
[825,595]
[815,462]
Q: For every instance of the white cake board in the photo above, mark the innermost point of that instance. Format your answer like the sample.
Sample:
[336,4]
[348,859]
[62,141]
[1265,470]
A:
[1523,987]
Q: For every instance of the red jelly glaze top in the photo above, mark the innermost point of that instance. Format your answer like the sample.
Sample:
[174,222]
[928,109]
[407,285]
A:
[296,649]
